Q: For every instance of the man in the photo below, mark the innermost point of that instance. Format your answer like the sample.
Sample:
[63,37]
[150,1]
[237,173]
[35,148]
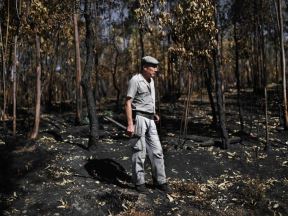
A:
[140,109]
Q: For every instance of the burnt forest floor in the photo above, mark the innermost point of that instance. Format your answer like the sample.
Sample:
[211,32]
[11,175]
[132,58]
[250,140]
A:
[57,175]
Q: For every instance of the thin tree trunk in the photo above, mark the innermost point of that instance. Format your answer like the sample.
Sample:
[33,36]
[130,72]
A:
[141,40]
[1,61]
[14,84]
[51,81]
[257,70]
[219,93]
[187,105]
[278,46]
[257,51]
[86,81]
[264,75]
[35,130]
[208,83]
[14,71]
[5,48]
[3,53]
[114,73]
[237,73]
[283,66]
[267,146]
[78,72]
[168,74]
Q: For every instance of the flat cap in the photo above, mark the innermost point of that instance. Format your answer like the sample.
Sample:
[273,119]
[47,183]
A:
[149,60]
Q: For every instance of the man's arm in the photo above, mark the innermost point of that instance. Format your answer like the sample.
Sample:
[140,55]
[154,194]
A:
[128,110]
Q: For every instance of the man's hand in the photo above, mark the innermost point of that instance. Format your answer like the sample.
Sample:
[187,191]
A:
[130,130]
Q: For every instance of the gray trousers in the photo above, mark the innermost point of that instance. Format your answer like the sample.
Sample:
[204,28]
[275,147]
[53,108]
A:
[148,143]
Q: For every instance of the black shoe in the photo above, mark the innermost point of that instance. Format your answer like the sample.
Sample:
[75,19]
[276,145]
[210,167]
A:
[141,188]
[163,187]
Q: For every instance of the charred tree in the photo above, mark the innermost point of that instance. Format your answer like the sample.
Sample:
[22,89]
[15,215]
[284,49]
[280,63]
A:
[208,83]
[141,41]
[78,117]
[260,71]
[237,74]
[52,77]
[14,80]
[114,77]
[35,130]
[219,93]
[283,64]
[14,67]
[86,79]
[4,61]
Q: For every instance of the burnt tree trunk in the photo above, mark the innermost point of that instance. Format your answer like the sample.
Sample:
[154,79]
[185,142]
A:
[267,145]
[141,40]
[237,74]
[255,47]
[86,79]
[283,65]
[15,60]
[4,61]
[219,93]
[4,71]
[78,116]
[277,48]
[258,50]
[114,74]
[208,83]
[51,82]
[35,130]
[14,75]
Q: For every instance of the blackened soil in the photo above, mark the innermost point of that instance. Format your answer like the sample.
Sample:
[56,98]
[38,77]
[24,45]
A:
[57,175]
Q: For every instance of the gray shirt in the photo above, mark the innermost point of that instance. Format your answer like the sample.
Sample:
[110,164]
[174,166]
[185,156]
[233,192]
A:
[142,94]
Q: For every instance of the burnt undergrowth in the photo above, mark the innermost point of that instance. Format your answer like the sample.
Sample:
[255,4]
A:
[58,175]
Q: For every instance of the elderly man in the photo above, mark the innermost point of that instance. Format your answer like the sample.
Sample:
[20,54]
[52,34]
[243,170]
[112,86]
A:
[141,118]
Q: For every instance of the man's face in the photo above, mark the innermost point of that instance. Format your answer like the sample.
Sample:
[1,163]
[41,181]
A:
[150,70]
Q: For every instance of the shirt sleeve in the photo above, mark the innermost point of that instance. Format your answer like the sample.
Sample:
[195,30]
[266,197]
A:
[132,88]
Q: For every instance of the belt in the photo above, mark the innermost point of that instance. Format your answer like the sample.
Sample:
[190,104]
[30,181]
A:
[145,114]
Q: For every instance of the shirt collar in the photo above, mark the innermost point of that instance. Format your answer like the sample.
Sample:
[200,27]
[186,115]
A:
[143,78]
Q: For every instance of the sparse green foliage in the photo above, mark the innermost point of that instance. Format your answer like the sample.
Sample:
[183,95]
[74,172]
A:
[189,23]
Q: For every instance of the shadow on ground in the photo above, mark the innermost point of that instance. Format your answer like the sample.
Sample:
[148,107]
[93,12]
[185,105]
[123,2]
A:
[109,171]
[18,158]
